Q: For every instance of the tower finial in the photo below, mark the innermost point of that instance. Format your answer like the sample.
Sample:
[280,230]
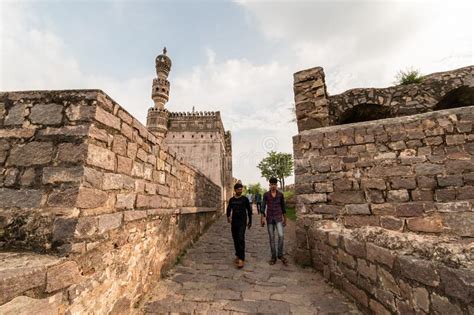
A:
[164,50]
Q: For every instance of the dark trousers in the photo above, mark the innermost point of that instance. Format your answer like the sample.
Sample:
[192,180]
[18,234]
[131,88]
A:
[238,234]
[259,207]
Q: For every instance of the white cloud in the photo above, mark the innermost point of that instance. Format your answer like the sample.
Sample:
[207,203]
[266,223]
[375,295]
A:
[365,43]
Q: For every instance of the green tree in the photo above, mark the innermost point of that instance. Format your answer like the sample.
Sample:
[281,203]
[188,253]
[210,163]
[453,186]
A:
[254,188]
[278,165]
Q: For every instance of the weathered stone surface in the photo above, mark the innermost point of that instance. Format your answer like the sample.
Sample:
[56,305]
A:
[46,114]
[62,275]
[16,115]
[17,133]
[109,222]
[107,118]
[100,157]
[429,224]
[421,299]
[25,198]
[91,198]
[442,305]
[27,305]
[419,270]
[63,197]
[379,254]
[52,175]
[458,283]
[357,209]
[71,152]
[346,197]
[125,201]
[32,153]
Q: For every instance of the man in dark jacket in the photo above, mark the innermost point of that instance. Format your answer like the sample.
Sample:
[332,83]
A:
[273,208]
[238,209]
[258,202]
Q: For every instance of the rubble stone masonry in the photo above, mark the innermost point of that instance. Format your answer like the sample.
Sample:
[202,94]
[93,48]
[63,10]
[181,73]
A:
[97,196]
[385,207]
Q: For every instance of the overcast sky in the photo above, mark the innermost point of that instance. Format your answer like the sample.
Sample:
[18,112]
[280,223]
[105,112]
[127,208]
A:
[236,57]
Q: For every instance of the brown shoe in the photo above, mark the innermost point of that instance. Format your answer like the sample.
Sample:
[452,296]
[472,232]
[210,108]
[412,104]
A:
[240,264]
[284,261]
[236,260]
[272,261]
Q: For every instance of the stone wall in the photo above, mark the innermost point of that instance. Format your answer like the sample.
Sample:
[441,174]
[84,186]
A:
[315,108]
[385,208]
[86,183]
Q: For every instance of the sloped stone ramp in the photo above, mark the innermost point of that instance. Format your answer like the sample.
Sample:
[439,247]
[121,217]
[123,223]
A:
[206,281]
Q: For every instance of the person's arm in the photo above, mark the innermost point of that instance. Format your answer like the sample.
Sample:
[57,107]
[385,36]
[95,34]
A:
[262,211]
[228,211]
[283,208]
[249,213]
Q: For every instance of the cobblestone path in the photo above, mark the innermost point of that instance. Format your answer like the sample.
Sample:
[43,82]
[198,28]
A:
[206,281]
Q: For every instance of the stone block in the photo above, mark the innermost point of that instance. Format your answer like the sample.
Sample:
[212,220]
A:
[71,152]
[101,157]
[429,169]
[378,308]
[86,227]
[400,195]
[354,247]
[109,222]
[465,193]
[46,114]
[63,197]
[442,305]
[461,223]
[91,198]
[388,281]
[346,197]
[57,174]
[430,224]
[326,209]
[134,215]
[16,115]
[375,196]
[446,194]
[450,180]
[24,198]
[74,132]
[16,281]
[422,195]
[124,165]
[114,181]
[360,220]
[32,153]
[392,223]
[323,187]
[357,209]
[410,209]
[373,183]
[107,118]
[428,182]
[458,283]
[119,145]
[62,276]
[456,167]
[419,270]
[403,183]
[27,305]
[80,112]
[368,270]
[380,255]
[421,299]
[17,133]
[312,198]
[359,295]
[125,201]
[345,258]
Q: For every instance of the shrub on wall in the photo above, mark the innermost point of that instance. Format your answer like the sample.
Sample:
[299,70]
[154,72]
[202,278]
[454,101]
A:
[408,76]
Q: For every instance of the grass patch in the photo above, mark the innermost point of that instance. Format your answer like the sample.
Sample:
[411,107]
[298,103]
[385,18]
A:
[291,213]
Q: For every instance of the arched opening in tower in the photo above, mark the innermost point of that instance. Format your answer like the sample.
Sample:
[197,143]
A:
[462,96]
[364,112]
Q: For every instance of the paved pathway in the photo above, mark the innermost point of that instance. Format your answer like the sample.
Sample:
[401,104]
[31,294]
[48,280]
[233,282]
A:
[206,281]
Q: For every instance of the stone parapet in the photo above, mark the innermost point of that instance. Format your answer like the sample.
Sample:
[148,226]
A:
[79,176]
[406,174]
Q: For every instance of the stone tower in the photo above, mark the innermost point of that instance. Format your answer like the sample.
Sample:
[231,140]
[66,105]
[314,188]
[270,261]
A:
[157,119]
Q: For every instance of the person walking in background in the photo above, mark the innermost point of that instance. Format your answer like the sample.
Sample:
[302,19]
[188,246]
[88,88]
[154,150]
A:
[238,209]
[273,208]
[258,201]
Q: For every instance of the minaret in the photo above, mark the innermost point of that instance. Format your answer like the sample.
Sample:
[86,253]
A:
[157,120]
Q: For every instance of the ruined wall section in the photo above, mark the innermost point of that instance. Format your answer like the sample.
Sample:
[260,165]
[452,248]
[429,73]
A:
[385,210]
[406,174]
[403,100]
[82,177]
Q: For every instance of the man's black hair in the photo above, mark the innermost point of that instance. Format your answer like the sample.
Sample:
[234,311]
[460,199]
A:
[273,180]
[237,186]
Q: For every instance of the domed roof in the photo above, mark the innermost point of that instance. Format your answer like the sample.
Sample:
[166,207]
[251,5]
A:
[163,62]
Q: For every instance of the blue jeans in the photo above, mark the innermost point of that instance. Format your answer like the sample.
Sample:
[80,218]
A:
[276,252]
